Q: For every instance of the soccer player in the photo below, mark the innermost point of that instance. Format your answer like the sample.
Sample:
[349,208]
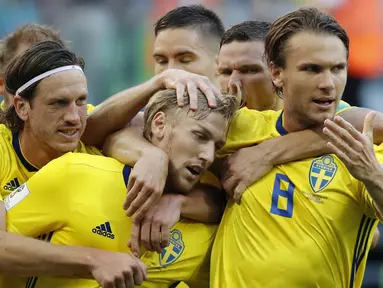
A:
[78,205]
[309,222]
[47,120]
[187,38]
[242,65]
[16,43]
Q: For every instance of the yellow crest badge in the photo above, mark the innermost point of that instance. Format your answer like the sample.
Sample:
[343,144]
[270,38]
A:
[322,171]
[176,246]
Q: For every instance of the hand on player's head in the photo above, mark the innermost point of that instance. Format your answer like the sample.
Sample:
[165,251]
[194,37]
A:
[183,81]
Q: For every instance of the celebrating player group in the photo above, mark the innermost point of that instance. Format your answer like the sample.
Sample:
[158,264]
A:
[236,165]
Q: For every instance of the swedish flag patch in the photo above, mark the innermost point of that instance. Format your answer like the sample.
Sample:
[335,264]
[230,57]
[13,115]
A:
[322,171]
[176,246]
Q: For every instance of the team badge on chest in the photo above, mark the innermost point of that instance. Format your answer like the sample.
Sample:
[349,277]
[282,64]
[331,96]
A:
[322,171]
[176,246]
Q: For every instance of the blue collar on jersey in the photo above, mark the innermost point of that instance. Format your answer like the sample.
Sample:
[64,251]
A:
[16,146]
[279,126]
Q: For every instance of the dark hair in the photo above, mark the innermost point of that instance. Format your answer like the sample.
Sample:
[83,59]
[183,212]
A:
[246,31]
[284,28]
[193,16]
[40,58]
[27,34]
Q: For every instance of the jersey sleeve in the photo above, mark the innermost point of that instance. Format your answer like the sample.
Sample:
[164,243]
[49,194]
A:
[89,108]
[41,205]
[342,107]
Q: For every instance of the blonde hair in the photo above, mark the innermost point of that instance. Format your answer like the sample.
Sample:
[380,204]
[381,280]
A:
[166,101]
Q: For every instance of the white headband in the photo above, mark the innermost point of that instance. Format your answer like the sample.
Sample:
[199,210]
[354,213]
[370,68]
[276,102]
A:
[46,74]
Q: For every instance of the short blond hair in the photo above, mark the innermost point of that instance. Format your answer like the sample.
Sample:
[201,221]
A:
[166,101]
[27,34]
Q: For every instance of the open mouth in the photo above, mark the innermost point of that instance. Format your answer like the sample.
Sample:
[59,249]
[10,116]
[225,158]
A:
[194,170]
[326,102]
[68,133]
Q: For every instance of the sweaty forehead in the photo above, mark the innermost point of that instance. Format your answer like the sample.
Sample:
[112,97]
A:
[236,54]
[180,40]
[65,83]
[316,48]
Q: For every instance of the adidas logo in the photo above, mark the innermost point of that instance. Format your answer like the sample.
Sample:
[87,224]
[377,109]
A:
[12,185]
[104,230]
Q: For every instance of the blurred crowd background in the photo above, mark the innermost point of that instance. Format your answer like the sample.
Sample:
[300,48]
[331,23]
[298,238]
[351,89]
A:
[115,37]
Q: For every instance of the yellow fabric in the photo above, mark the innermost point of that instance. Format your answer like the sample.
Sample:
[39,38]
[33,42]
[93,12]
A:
[210,179]
[343,106]
[90,108]
[78,196]
[2,105]
[15,169]
[307,223]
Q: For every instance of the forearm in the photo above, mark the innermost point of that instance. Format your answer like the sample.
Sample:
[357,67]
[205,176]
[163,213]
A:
[127,145]
[374,186]
[294,146]
[204,204]
[114,113]
[23,256]
[356,115]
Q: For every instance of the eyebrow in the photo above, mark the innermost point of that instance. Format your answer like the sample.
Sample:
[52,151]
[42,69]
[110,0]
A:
[321,65]
[240,67]
[178,54]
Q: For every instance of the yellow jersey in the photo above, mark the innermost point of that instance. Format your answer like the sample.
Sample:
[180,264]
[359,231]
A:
[90,108]
[342,106]
[307,223]
[2,105]
[79,199]
[15,168]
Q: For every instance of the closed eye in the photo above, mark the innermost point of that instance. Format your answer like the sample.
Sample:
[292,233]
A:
[312,68]
[225,72]
[339,68]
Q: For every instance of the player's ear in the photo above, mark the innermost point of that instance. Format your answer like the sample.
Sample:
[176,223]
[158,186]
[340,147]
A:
[158,125]
[277,75]
[22,107]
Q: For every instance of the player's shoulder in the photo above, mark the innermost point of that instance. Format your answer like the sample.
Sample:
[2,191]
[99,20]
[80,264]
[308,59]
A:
[247,120]
[342,106]
[5,135]
[4,131]
[89,108]
[82,148]
[250,127]
[246,113]
[2,106]
[86,162]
